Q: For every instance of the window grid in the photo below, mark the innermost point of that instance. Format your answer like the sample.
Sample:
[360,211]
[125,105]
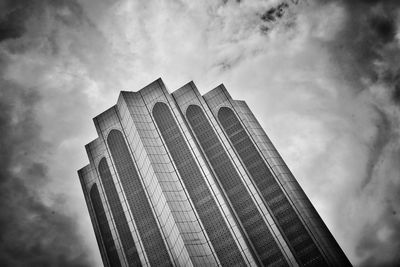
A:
[138,202]
[104,227]
[305,250]
[258,232]
[118,214]
[214,224]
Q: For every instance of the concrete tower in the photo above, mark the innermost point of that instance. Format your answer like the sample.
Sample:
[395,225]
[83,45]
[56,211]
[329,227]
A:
[188,180]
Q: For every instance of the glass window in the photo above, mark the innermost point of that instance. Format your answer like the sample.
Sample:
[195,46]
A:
[105,231]
[118,214]
[304,248]
[141,209]
[214,224]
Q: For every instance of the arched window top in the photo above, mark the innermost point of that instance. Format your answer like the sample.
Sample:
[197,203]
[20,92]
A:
[104,170]
[192,108]
[258,234]
[225,111]
[138,202]
[159,106]
[192,113]
[93,190]
[114,133]
[163,116]
[304,248]
[193,179]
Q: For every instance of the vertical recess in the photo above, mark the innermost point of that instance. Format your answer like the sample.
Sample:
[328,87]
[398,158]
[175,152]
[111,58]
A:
[141,209]
[104,227]
[259,235]
[299,240]
[121,223]
[217,230]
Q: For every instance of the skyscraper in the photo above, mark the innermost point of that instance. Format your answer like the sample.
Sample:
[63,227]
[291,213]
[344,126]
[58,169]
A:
[188,180]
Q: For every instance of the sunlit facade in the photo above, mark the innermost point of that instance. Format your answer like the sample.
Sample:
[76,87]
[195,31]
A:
[183,179]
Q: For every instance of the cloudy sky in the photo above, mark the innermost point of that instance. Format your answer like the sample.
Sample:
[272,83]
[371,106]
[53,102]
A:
[321,76]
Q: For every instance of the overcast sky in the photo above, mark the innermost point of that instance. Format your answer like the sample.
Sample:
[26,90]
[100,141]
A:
[322,77]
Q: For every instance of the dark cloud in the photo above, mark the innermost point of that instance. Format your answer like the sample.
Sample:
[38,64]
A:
[274,13]
[16,16]
[385,252]
[12,18]
[368,38]
[384,129]
[396,92]
[384,27]
[367,52]
[32,231]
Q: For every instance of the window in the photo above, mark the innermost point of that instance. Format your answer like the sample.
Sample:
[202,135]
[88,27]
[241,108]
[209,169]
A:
[138,202]
[254,225]
[105,231]
[214,224]
[118,214]
[304,248]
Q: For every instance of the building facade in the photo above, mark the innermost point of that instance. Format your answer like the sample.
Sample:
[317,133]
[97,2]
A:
[183,179]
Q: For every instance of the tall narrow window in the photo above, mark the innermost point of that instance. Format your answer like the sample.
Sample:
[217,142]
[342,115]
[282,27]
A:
[301,243]
[227,251]
[252,221]
[105,230]
[118,213]
[146,223]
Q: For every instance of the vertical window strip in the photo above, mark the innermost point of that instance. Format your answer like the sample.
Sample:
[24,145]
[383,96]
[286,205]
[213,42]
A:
[260,236]
[299,240]
[105,231]
[217,230]
[140,207]
[121,223]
